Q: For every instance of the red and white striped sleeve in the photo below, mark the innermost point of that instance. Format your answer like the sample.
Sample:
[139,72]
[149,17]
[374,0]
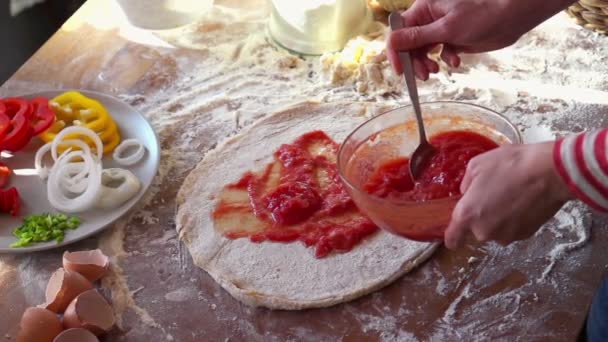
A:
[582,161]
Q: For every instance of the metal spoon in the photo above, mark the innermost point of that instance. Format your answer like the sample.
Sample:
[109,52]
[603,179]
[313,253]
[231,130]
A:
[423,153]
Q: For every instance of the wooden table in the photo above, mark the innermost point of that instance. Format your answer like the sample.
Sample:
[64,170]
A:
[479,292]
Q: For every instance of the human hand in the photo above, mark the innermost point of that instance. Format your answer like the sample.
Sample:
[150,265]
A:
[464,26]
[508,194]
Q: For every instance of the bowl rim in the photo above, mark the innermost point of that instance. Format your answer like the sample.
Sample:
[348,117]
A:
[492,112]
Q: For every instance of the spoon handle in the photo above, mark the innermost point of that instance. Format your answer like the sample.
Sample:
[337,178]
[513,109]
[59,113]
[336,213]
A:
[396,23]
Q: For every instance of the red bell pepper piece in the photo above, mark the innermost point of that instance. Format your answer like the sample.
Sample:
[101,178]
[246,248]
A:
[4,201]
[16,105]
[19,130]
[20,142]
[43,116]
[5,124]
[10,202]
[15,202]
[5,175]
[25,119]
[5,121]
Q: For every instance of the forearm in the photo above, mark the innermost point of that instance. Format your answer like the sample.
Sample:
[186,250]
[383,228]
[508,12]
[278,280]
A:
[534,12]
[553,7]
[542,7]
[582,162]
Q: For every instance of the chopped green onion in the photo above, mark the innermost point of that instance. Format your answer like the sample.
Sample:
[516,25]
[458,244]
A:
[44,227]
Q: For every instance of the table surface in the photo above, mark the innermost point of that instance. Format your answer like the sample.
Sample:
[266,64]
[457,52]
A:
[538,289]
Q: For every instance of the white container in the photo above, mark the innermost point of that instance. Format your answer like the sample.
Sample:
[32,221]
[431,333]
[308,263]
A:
[163,14]
[313,27]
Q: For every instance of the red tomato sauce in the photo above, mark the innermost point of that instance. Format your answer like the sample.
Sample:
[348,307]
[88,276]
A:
[303,206]
[442,176]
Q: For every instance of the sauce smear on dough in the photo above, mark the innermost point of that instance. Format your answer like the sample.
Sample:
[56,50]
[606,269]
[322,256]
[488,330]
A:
[298,197]
[440,179]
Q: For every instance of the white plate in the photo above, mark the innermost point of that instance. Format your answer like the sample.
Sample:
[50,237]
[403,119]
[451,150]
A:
[33,190]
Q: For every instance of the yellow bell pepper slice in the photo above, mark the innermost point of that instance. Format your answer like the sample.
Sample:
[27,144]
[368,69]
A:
[73,108]
[110,138]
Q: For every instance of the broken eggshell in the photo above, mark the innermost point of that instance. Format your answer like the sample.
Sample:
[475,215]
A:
[92,264]
[91,311]
[76,335]
[39,325]
[63,287]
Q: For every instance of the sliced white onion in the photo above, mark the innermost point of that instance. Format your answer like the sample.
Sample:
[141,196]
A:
[76,186]
[114,196]
[42,170]
[57,192]
[76,130]
[85,149]
[72,180]
[130,159]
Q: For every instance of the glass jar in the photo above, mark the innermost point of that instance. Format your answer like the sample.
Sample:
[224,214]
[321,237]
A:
[313,27]
[163,14]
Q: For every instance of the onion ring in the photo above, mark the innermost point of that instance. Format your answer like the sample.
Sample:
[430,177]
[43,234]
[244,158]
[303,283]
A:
[133,158]
[84,200]
[76,130]
[42,170]
[115,196]
[70,172]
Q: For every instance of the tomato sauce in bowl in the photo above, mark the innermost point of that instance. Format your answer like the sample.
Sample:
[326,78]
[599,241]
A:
[373,163]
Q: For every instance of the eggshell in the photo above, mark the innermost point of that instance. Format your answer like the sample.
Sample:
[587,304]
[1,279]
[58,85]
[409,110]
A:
[76,335]
[91,311]
[39,325]
[92,264]
[63,287]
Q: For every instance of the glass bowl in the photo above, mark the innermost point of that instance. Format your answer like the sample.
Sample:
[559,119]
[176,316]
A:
[315,27]
[394,134]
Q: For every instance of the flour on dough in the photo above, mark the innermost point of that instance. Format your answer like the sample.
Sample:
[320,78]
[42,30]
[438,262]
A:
[278,275]
[363,64]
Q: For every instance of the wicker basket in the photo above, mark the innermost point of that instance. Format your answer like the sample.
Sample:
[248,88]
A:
[591,14]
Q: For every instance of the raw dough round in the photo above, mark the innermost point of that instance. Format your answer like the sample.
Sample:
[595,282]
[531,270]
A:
[279,275]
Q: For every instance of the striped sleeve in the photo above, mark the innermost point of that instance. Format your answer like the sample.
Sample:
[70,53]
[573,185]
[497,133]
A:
[582,162]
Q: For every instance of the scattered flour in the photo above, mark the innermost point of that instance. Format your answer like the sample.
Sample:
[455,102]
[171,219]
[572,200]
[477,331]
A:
[255,78]
[387,326]
[168,235]
[111,243]
[363,63]
[181,295]
[146,216]
[571,216]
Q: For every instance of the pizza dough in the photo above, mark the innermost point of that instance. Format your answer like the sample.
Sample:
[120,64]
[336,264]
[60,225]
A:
[279,275]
